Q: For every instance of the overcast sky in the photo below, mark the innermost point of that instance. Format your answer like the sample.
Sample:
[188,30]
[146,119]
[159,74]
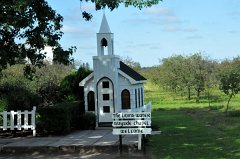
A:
[172,27]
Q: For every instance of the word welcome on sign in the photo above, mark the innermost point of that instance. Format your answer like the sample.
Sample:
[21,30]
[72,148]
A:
[131,123]
[131,115]
[118,131]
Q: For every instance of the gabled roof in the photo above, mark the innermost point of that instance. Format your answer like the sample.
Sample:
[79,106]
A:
[125,71]
[104,28]
[130,72]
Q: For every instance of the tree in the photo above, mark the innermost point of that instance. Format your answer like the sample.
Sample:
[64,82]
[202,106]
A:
[114,4]
[61,56]
[229,75]
[198,64]
[26,27]
[129,61]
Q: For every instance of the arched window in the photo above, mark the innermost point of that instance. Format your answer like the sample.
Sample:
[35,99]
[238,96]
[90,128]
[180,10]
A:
[104,42]
[104,46]
[91,101]
[125,99]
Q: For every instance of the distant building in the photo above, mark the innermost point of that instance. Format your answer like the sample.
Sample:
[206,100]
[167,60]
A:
[113,86]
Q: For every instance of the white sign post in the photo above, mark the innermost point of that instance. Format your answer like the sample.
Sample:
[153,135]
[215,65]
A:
[132,123]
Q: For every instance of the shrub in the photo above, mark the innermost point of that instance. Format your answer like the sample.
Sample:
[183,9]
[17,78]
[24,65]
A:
[74,110]
[18,97]
[60,118]
[49,92]
[3,105]
[54,119]
[69,87]
[87,121]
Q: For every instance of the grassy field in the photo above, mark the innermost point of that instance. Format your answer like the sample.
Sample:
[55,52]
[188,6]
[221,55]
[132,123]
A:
[169,100]
[193,131]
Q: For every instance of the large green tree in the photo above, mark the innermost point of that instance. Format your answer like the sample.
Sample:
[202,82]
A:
[229,75]
[26,27]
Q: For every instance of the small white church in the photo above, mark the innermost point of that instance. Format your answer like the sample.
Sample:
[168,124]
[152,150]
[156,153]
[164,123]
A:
[113,86]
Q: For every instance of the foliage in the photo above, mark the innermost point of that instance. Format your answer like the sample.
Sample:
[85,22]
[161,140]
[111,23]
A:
[185,74]
[3,105]
[18,97]
[112,5]
[54,119]
[87,121]
[229,75]
[49,92]
[26,28]
[63,117]
[45,84]
[69,88]
[163,99]
[74,110]
[61,56]
[129,61]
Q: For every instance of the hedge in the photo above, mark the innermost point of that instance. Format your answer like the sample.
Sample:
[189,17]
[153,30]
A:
[64,117]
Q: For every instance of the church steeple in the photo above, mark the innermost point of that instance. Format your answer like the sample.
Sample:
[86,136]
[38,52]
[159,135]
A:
[104,28]
[104,38]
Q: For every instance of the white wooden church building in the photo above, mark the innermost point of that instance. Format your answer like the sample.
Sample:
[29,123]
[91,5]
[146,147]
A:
[113,86]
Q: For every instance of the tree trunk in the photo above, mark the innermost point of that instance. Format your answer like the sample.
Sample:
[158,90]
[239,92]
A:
[189,93]
[209,102]
[198,96]
[230,97]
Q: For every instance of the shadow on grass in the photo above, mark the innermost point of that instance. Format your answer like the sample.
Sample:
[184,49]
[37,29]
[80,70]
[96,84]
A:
[195,133]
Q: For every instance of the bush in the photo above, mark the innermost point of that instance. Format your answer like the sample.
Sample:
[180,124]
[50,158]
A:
[18,97]
[3,105]
[49,92]
[54,119]
[69,87]
[88,121]
[63,117]
[74,110]
[60,118]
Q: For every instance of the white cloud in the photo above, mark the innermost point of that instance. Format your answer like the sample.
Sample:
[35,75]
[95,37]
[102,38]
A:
[190,30]
[69,29]
[159,11]
[88,7]
[194,37]
[77,30]
[171,29]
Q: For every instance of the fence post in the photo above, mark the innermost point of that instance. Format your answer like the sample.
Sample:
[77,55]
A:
[25,119]
[11,120]
[19,120]
[5,120]
[33,120]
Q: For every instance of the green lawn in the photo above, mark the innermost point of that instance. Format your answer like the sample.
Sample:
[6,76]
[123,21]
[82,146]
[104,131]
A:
[192,131]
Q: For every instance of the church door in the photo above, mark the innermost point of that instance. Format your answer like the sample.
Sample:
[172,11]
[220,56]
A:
[105,100]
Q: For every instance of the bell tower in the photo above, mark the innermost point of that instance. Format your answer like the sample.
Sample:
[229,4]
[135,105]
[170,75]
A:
[104,39]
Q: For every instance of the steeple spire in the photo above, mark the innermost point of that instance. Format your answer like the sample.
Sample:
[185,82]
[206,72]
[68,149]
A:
[104,28]
[105,39]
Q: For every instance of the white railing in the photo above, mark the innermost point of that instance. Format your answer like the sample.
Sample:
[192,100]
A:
[18,120]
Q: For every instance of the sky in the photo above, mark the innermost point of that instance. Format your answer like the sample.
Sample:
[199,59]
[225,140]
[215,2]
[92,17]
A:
[173,27]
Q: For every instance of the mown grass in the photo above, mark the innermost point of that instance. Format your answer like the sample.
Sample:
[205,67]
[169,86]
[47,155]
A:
[193,131]
[169,100]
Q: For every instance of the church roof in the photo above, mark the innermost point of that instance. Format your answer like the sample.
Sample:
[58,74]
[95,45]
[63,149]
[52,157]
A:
[130,72]
[104,28]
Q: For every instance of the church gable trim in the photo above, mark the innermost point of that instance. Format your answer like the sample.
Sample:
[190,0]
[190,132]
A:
[84,81]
